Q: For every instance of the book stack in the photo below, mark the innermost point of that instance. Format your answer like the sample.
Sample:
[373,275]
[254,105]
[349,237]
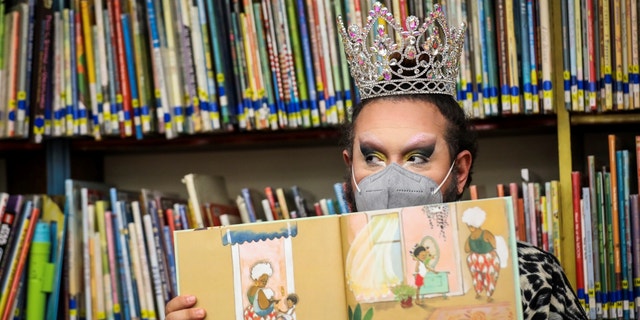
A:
[600,55]
[606,224]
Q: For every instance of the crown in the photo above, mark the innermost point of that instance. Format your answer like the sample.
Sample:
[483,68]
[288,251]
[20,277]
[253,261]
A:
[423,58]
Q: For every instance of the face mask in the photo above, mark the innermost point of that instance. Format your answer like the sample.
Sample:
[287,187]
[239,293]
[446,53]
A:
[396,187]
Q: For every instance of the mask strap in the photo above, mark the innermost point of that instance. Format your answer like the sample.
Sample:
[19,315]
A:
[445,178]
[353,178]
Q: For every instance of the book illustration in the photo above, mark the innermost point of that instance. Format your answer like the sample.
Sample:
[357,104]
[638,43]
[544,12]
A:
[265,262]
[425,262]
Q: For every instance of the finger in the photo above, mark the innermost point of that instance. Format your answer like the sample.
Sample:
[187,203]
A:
[179,303]
[184,314]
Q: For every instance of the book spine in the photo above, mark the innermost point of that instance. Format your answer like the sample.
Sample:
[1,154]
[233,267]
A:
[634,212]
[607,56]
[193,112]
[603,247]
[594,230]
[588,253]
[115,97]
[267,112]
[124,263]
[136,229]
[618,91]
[577,220]
[317,115]
[297,64]
[154,264]
[163,111]
[172,68]
[130,66]
[139,48]
[212,121]
[615,214]
[217,53]
[634,68]
[125,116]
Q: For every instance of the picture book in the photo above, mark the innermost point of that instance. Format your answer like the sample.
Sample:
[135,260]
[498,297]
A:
[447,261]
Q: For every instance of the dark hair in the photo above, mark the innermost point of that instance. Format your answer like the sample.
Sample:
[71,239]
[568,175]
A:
[416,251]
[459,134]
[293,297]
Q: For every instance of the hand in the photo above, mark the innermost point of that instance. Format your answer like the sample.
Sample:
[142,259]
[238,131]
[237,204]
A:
[180,307]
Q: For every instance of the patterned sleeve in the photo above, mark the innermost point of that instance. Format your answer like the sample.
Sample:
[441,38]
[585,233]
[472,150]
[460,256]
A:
[546,291]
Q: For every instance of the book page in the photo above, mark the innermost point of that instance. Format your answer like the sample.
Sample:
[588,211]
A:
[264,270]
[426,262]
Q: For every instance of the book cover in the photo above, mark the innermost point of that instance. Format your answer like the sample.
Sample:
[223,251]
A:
[409,263]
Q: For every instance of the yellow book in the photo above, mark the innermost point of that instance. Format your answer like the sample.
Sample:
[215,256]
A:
[406,263]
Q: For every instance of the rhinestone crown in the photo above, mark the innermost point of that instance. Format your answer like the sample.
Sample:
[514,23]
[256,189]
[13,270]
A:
[424,58]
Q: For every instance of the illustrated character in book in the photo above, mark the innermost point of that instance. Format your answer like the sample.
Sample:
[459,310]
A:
[262,300]
[487,253]
[423,258]
[289,313]
[410,143]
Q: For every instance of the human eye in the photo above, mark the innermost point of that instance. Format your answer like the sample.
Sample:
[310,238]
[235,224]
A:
[374,158]
[417,158]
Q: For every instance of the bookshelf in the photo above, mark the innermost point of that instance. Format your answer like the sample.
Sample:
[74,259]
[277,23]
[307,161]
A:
[550,145]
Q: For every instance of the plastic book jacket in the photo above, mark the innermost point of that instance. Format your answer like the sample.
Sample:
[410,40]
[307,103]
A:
[447,261]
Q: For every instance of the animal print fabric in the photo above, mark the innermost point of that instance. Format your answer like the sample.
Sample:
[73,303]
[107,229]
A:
[546,292]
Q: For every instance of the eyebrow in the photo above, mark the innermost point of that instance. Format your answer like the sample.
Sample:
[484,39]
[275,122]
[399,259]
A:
[423,141]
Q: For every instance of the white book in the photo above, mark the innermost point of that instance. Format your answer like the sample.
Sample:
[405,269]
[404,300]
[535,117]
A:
[203,189]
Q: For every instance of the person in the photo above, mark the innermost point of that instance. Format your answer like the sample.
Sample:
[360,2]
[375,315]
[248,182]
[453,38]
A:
[422,256]
[289,313]
[483,247]
[261,298]
[410,143]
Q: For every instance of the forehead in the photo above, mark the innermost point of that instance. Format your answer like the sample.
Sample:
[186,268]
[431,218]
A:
[404,114]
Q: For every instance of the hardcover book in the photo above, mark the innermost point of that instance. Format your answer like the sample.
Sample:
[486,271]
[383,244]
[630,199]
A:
[446,261]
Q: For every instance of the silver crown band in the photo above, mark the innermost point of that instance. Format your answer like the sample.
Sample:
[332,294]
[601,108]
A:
[424,60]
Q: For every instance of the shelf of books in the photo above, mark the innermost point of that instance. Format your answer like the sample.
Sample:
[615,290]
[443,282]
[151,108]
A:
[132,76]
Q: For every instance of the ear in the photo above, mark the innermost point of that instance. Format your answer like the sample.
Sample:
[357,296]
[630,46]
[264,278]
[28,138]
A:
[346,158]
[463,168]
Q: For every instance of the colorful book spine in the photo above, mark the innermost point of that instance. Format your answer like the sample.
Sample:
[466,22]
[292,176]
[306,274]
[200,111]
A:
[90,67]
[589,272]
[131,74]
[214,107]
[577,221]
[615,220]
[618,91]
[276,76]
[125,115]
[172,68]
[163,111]
[546,84]
[527,58]
[318,114]
[217,54]
[140,56]
[267,112]
[591,75]
[607,56]
[102,70]
[594,231]
[512,58]
[192,112]
[201,86]
[298,66]
[634,213]
[115,99]
[634,68]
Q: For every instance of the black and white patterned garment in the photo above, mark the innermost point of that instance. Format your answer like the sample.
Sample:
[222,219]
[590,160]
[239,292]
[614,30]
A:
[546,292]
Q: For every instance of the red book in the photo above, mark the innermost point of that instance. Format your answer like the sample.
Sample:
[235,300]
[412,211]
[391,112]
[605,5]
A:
[500,189]
[126,127]
[273,203]
[576,190]
[22,260]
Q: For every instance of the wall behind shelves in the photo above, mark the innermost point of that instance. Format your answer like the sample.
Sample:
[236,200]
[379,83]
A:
[317,168]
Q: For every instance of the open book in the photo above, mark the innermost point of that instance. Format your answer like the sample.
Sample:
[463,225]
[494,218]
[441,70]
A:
[424,262]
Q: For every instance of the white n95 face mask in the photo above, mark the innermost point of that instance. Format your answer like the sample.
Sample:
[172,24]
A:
[396,187]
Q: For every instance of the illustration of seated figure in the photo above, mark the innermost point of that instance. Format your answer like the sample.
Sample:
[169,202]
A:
[261,299]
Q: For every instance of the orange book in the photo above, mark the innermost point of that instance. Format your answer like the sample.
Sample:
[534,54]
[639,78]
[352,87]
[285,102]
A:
[473,191]
[500,189]
[522,231]
[614,212]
